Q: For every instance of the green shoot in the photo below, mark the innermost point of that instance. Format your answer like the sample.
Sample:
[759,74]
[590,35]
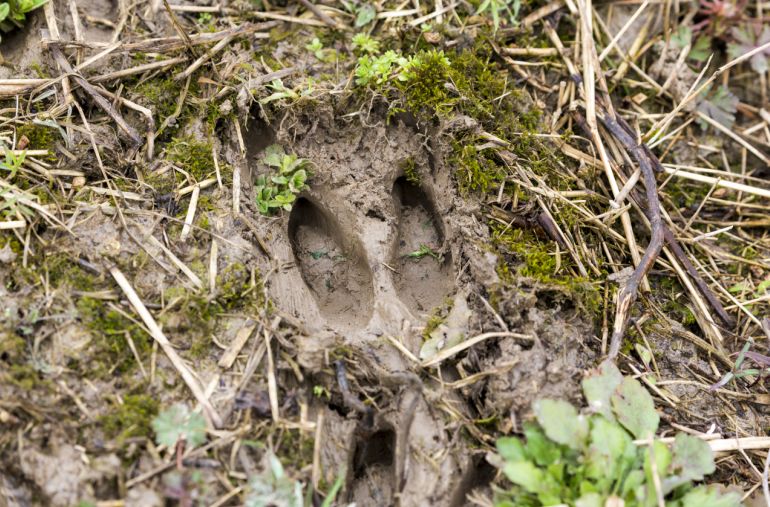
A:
[498,7]
[13,13]
[365,43]
[424,251]
[279,190]
[178,423]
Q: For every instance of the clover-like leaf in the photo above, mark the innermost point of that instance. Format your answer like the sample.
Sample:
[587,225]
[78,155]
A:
[720,105]
[178,423]
[599,386]
[635,409]
[562,423]
[749,38]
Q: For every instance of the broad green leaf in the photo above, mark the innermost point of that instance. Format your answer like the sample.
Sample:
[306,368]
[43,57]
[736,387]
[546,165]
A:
[692,457]
[511,449]
[525,474]
[610,451]
[4,10]
[298,179]
[599,386]
[710,496]
[177,423]
[590,500]
[26,6]
[273,155]
[280,180]
[542,450]
[635,409]
[762,287]
[562,423]
[366,14]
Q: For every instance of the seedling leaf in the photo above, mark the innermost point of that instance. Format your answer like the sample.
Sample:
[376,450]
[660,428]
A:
[599,386]
[635,409]
[178,423]
[562,423]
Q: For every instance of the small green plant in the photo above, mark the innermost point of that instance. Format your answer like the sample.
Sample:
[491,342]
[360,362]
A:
[364,43]
[280,189]
[13,13]
[273,487]
[178,424]
[498,7]
[424,251]
[590,459]
[376,70]
[279,92]
[204,18]
[316,47]
[13,162]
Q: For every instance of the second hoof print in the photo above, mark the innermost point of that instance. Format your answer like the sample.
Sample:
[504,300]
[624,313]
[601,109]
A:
[422,263]
[332,265]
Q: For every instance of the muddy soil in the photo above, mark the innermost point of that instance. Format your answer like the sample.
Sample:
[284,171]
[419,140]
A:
[347,263]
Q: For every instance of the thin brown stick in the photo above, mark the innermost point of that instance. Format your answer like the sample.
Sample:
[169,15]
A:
[95,95]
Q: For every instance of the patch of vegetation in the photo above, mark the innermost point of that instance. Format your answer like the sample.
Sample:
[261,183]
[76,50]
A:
[132,418]
[13,13]
[533,258]
[279,190]
[177,423]
[590,458]
[40,137]
[111,352]
[193,156]
[411,172]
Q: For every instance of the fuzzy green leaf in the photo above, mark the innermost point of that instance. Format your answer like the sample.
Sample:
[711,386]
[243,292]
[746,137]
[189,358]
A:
[525,474]
[4,10]
[562,423]
[692,458]
[366,14]
[511,449]
[273,155]
[590,500]
[635,409]
[611,450]
[542,450]
[177,423]
[599,386]
[710,496]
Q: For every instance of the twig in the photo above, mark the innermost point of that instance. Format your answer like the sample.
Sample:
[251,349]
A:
[96,96]
[168,349]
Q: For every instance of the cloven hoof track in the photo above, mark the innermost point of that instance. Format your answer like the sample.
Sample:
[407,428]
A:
[333,267]
[421,281]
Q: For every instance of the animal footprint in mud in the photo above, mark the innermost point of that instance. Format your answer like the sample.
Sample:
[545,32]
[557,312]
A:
[333,266]
[423,273]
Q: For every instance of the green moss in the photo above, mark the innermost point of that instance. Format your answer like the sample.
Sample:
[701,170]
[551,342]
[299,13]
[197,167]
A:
[192,156]
[424,86]
[475,171]
[110,349]
[132,418]
[41,137]
[64,271]
[411,172]
[532,258]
